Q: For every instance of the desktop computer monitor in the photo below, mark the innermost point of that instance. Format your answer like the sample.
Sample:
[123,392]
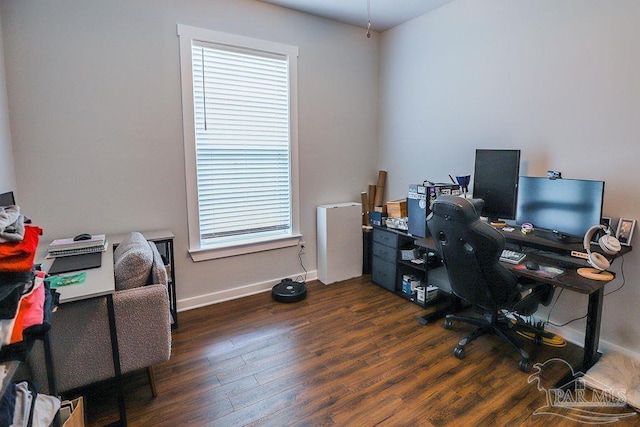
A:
[495,180]
[567,208]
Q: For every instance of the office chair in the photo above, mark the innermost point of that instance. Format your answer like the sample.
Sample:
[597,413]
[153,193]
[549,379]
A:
[471,251]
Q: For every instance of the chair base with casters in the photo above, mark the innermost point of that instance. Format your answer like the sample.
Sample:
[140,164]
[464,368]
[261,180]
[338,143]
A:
[496,324]
[451,305]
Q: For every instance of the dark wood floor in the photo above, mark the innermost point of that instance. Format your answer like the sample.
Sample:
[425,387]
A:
[350,354]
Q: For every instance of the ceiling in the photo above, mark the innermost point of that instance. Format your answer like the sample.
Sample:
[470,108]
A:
[385,14]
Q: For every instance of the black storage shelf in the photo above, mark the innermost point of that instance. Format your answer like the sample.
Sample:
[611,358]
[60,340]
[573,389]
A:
[388,267]
[418,267]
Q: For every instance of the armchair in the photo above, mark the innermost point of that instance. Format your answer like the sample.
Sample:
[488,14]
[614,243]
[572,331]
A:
[80,336]
[471,252]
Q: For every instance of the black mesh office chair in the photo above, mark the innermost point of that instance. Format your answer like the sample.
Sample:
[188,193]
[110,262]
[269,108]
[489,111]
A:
[471,252]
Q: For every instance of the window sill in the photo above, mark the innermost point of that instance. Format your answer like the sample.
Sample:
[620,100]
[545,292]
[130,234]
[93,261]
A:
[204,254]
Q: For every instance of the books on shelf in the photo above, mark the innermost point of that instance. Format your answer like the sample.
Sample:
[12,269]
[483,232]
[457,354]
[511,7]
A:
[68,247]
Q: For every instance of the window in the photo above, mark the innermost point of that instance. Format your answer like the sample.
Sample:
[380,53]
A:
[240,138]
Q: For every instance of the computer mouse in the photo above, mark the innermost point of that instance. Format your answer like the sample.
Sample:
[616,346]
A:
[83,236]
[531,265]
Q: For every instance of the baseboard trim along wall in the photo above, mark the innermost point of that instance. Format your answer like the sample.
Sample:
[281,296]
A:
[239,292]
[577,338]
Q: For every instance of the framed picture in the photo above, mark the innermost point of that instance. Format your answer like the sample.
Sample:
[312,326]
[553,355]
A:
[625,231]
[606,221]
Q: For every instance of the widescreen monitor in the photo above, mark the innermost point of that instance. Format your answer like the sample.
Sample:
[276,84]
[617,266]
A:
[495,180]
[568,207]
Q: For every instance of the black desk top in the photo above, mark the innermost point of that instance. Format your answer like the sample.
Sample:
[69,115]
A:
[570,279]
[543,240]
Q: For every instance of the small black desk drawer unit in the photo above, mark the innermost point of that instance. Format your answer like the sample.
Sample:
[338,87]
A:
[385,256]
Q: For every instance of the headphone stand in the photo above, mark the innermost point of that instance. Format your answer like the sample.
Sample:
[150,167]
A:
[595,274]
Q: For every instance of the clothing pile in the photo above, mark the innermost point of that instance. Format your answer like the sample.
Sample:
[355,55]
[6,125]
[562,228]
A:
[26,304]
[22,405]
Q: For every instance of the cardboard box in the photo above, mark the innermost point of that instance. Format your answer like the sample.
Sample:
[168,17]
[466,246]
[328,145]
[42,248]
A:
[397,208]
[431,292]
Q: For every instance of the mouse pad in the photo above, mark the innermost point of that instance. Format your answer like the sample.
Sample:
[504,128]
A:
[544,271]
[76,262]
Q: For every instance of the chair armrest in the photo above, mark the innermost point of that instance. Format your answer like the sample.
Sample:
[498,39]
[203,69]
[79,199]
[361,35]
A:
[144,326]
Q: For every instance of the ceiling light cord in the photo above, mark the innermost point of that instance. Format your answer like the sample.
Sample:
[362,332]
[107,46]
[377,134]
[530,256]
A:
[368,19]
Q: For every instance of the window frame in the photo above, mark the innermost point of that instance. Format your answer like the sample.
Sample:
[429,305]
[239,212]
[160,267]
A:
[199,252]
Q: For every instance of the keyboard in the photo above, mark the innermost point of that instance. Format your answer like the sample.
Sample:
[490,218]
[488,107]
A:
[512,257]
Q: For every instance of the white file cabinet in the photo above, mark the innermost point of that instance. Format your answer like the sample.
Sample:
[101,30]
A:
[339,241]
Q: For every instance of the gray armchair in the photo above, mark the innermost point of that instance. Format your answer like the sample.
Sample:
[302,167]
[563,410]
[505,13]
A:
[80,334]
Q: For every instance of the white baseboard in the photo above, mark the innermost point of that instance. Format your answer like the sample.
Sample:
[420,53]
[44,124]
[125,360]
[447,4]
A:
[230,294]
[577,338]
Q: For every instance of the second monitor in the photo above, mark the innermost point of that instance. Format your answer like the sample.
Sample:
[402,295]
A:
[495,181]
[565,207]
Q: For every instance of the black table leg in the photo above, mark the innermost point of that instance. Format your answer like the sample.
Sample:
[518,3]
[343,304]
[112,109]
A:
[51,375]
[591,339]
[592,332]
[116,359]
[48,360]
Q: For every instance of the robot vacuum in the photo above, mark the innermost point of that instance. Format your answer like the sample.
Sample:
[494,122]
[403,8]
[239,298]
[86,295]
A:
[289,291]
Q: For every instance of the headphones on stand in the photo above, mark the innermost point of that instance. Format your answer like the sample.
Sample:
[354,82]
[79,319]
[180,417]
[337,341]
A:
[609,245]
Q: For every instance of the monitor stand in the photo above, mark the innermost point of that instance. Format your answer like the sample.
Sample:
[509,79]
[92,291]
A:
[559,237]
[496,222]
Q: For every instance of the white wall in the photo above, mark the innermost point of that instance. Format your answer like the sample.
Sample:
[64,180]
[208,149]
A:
[94,94]
[558,80]
[7,173]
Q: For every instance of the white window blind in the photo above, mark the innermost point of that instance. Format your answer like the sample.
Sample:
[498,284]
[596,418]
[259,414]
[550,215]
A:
[242,127]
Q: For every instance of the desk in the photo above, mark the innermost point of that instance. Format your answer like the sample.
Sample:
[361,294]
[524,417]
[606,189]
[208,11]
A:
[569,280]
[99,283]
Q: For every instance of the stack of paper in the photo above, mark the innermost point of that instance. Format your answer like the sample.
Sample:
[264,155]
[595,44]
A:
[67,247]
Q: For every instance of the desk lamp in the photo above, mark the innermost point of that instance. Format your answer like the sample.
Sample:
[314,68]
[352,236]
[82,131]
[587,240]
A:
[463,182]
